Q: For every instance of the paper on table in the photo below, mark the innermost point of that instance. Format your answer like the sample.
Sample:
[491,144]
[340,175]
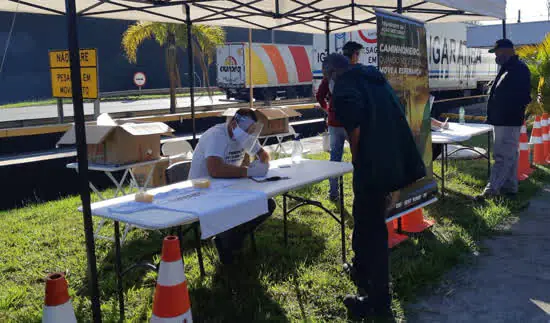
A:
[218,210]
[270,173]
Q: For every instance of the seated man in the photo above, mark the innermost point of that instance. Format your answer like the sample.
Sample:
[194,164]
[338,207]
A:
[224,151]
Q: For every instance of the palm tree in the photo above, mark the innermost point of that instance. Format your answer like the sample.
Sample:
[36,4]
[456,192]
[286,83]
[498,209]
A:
[537,58]
[204,40]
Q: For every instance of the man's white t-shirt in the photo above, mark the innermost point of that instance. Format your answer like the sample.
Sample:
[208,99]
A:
[216,142]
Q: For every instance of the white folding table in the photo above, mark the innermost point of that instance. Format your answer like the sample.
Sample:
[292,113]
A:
[305,173]
[459,133]
[127,170]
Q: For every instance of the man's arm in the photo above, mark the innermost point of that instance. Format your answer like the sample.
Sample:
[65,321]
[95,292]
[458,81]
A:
[217,168]
[354,143]
[322,93]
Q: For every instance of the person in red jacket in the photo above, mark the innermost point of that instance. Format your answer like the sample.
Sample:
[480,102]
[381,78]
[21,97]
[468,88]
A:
[336,131]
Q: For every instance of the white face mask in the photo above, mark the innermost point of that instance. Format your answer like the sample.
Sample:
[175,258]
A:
[240,136]
[331,86]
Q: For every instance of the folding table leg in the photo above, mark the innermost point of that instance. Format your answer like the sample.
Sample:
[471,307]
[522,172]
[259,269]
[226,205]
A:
[118,269]
[489,155]
[199,250]
[342,219]
[284,220]
[443,162]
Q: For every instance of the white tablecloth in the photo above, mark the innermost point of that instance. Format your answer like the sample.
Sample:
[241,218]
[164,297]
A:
[459,132]
[241,198]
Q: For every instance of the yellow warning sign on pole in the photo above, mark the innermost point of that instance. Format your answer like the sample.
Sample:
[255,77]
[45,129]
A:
[61,73]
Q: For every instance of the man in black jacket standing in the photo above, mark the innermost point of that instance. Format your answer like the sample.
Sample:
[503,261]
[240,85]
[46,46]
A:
[385,159]
[508,97]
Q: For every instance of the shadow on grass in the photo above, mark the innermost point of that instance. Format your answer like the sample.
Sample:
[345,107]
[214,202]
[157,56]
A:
[238,293]
[227,293]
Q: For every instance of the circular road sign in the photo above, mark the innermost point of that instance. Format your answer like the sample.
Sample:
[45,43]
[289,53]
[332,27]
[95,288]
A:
[140,79]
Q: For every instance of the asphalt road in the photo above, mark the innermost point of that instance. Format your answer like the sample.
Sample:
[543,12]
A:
[50,111]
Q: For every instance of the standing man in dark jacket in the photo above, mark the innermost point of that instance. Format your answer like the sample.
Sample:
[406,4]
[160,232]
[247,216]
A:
[385,159]
[508,97]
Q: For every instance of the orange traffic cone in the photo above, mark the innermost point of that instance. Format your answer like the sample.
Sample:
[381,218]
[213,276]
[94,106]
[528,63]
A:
[171,301]
[524,168]
[394,238]
[57,304]
[414,222]
[545,135]
[536,141]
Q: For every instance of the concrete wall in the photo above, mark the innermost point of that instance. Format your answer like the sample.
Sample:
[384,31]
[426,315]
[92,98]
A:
[26,70]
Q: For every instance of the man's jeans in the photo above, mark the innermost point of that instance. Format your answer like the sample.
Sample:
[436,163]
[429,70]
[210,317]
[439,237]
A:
[337,140]
[505,153]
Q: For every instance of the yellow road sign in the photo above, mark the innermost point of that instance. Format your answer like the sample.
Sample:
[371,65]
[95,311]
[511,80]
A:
[60,58]
[61,73]
[61,82]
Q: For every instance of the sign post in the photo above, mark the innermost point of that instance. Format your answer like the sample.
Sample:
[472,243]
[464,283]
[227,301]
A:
[61,73]
[140,79]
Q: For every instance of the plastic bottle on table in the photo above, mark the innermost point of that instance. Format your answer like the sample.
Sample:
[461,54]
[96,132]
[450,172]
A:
[297,150]
[461,115]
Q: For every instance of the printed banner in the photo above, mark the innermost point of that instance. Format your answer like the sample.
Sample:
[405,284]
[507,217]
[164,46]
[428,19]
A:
[403,59]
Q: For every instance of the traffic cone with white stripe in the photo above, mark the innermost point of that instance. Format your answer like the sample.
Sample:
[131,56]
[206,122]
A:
[545,135]
[415,222]
[57,304]
[524,167]
[394,238]
[537,143]
[171,301]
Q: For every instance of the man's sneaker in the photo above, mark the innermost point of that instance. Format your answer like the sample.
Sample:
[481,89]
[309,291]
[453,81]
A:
[485,196]
[360,308]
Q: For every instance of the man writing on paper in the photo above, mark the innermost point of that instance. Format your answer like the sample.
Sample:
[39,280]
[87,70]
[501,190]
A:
[385,159]
[224,151]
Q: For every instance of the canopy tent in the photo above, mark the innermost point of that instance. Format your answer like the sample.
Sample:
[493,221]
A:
[292,15]
[308,16]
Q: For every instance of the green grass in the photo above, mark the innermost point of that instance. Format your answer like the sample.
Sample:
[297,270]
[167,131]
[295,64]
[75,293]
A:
[122,98]
[301,282]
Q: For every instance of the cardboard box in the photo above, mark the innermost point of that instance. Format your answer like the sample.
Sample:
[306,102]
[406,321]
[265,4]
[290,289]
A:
[158,178]
[274,120]
[118,144]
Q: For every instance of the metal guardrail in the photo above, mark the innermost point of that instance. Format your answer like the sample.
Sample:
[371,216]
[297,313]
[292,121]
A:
[127,93]
[49,125]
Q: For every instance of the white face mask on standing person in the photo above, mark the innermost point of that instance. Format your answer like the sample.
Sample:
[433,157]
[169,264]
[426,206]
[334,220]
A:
[331,86]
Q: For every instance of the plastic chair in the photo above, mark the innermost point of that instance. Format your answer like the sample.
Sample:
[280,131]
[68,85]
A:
[177,149]
[178,172]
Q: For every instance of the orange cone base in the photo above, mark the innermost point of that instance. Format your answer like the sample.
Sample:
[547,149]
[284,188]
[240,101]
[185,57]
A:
[414,222]
[394,238]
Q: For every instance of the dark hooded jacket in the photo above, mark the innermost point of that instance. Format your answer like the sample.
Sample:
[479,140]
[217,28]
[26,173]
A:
[509,94]
[388,156]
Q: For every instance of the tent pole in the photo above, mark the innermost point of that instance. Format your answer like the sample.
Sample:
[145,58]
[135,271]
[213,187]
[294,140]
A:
[191,70]
[327,34]
[82,155]
[399,6]
[503,28]
[250,67]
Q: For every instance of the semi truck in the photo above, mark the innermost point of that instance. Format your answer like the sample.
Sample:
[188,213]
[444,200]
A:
[292,71]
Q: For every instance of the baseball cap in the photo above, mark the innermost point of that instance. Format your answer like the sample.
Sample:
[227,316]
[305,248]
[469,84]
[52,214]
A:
[502,43]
